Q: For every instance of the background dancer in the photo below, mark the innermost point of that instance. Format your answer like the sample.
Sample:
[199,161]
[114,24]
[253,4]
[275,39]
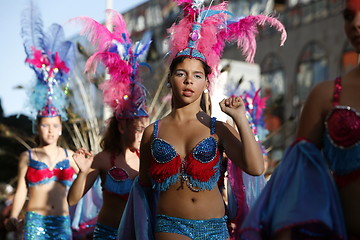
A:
[327,139]
[118,162]
[45,172]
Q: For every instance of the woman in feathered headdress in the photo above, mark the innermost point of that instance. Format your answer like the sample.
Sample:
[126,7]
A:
[181,153]
[45,172]
[118,162]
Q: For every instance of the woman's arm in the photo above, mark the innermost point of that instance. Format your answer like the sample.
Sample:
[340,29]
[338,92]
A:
[72,161]
[317,105]
[86,176]
[21,189]
[145,156]
[241,147]
[12,223]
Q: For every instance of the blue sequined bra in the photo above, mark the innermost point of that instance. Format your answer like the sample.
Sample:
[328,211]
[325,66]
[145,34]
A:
[117,180]
[200,169]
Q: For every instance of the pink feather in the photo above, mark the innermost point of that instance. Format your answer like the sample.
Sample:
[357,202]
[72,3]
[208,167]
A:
[215,32]
[118,23]
[209,45]
[96,33]
[113,50]
[245,31]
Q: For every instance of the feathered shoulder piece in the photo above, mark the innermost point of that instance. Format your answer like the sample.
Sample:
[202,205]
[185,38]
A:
[51,58]
[203,32]
[123,92]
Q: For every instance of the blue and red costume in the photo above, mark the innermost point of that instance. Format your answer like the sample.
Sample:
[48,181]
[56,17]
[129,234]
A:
[302,194]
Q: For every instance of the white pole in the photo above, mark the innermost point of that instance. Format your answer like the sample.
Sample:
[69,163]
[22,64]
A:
[109,5]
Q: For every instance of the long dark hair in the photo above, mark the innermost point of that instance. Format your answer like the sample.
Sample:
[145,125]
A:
[112,141]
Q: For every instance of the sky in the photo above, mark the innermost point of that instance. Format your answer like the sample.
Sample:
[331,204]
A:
[13,71]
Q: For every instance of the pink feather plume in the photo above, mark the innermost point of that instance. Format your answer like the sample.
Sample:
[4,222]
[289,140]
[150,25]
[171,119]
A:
[118,23]
[245,31]
[179,36]
[96,33]
[215,31]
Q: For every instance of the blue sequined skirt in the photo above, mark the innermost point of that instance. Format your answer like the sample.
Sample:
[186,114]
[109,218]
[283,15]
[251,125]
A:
[39,227]
[210,229]
[103,232]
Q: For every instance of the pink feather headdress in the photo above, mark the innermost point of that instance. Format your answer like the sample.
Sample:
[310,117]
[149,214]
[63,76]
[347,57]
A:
[123,92]
[203,32]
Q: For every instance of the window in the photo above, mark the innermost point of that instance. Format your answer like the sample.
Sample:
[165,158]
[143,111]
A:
[312,69]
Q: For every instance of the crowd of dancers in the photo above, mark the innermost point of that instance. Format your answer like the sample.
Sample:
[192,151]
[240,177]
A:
[165,179]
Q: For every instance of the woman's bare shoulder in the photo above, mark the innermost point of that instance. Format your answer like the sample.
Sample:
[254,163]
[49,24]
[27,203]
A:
[102,156]
[321,95]
[25,157]
[148,131]
[324,88]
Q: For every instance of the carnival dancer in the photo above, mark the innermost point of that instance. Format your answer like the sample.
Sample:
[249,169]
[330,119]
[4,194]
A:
[181,153]
[118,162]
[45,172]
[301,201]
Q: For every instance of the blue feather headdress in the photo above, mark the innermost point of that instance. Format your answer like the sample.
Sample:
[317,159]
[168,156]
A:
[51,58]
[123,92]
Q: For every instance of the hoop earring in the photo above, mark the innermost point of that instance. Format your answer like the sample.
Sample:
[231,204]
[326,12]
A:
[168,85]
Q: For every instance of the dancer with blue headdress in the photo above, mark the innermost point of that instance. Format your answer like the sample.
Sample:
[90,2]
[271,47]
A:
[45,172]
[181,154]
[118,162]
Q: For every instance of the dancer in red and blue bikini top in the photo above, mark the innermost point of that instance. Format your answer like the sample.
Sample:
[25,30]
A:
[180,154]
[45,172]
[117,164]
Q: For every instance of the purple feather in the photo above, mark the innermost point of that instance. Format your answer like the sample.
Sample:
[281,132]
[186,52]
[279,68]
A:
[55,38]
[32,29]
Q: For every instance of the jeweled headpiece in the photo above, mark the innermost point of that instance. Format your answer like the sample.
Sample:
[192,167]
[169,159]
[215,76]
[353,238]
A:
[203,32]
[51,57]
[123,92]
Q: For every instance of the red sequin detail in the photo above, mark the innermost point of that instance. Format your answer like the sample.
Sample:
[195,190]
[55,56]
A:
[194,168]
[162,171]
[344,127]
[35,175]
[201,171]
[118,174]
[337,91]
[343,123]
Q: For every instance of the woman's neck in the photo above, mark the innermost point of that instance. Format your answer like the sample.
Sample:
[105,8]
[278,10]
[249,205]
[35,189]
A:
[49,147]
[185,112]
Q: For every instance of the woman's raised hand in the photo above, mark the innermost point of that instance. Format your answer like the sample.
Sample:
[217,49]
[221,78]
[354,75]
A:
[83,159]
[232,106]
